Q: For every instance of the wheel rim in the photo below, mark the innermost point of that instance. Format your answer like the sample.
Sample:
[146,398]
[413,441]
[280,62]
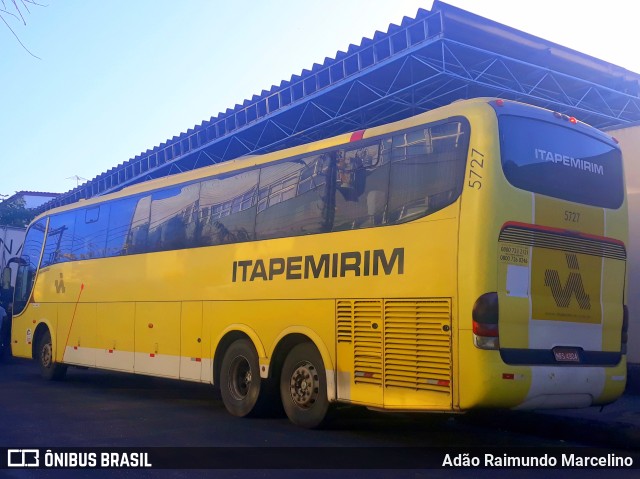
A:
[304,385]
[45,355]
[240,377]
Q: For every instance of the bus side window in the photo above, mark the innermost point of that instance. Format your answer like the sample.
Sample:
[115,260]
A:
[228,209]
[90,234]
[58,247]
[292,199]
[427,170]
[362,182]
[171,215]
[128,226]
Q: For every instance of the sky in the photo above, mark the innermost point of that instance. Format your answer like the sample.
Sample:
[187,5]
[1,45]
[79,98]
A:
[114,78]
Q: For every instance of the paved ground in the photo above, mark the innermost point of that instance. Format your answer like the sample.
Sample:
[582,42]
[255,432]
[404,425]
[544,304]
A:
[99,408]
[616,425]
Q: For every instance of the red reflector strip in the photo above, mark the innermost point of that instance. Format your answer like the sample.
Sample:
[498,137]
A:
[111,351]
[360,374]
[508,376]
[439,382]
[197,360]
[151,355]
[357,135]
[75,347]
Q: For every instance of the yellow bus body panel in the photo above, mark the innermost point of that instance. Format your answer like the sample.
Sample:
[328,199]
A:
[397,341]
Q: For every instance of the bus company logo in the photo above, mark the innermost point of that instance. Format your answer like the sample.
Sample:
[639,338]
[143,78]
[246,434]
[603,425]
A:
[569,161]
[328,265]
[60,289]
[23,458]
[573,286]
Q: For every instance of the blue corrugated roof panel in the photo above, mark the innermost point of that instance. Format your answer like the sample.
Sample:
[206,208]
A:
[326,89]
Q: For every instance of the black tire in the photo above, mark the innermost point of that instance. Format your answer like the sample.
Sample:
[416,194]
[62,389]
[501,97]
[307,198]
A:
[303,387]
[49,369]
[240,378]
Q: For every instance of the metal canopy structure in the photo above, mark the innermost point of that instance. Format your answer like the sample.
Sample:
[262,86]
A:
[438,57]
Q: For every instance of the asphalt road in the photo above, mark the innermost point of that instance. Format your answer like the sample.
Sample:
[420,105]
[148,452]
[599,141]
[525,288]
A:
[93,408]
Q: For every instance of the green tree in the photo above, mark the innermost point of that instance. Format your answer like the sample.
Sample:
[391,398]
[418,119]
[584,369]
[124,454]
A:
[14,213]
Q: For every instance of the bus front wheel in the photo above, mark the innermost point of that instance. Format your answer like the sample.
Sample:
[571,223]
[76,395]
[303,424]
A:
[303,386]
[49,369]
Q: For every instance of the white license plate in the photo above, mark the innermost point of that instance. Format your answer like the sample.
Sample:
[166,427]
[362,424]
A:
[566,355]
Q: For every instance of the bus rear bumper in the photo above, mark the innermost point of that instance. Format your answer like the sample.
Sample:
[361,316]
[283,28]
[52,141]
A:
[486,381]
[573,387]
[557,401]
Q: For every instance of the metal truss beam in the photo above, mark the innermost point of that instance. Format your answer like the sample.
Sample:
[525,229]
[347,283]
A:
[412,68]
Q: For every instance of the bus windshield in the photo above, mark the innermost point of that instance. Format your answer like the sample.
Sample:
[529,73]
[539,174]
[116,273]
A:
[561,162]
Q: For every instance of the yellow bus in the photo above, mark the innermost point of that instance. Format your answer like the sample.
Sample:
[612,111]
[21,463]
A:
[471,256]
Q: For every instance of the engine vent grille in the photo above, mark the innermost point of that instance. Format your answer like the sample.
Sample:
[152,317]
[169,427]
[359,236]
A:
[398,343]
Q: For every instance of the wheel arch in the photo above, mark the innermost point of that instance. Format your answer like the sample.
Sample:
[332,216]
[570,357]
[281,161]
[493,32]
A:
[41,329]
[226,338]
[293,336]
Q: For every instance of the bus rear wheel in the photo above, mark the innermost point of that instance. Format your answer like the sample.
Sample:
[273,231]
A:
[240,378]
[49,369]
[303,386]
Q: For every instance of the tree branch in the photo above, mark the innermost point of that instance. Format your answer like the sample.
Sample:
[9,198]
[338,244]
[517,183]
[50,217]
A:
[19,17]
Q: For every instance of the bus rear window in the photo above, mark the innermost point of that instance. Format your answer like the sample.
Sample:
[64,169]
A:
[558,161]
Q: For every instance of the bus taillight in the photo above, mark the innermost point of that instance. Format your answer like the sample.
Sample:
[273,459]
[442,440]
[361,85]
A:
[485,322]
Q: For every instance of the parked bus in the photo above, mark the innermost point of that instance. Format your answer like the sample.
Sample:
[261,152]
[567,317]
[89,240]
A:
[471,256]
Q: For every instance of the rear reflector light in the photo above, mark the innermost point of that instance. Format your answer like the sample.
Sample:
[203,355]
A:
[485,322]
[438,382]
[357,135]
[484,342]
[490,330]
[571,119]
